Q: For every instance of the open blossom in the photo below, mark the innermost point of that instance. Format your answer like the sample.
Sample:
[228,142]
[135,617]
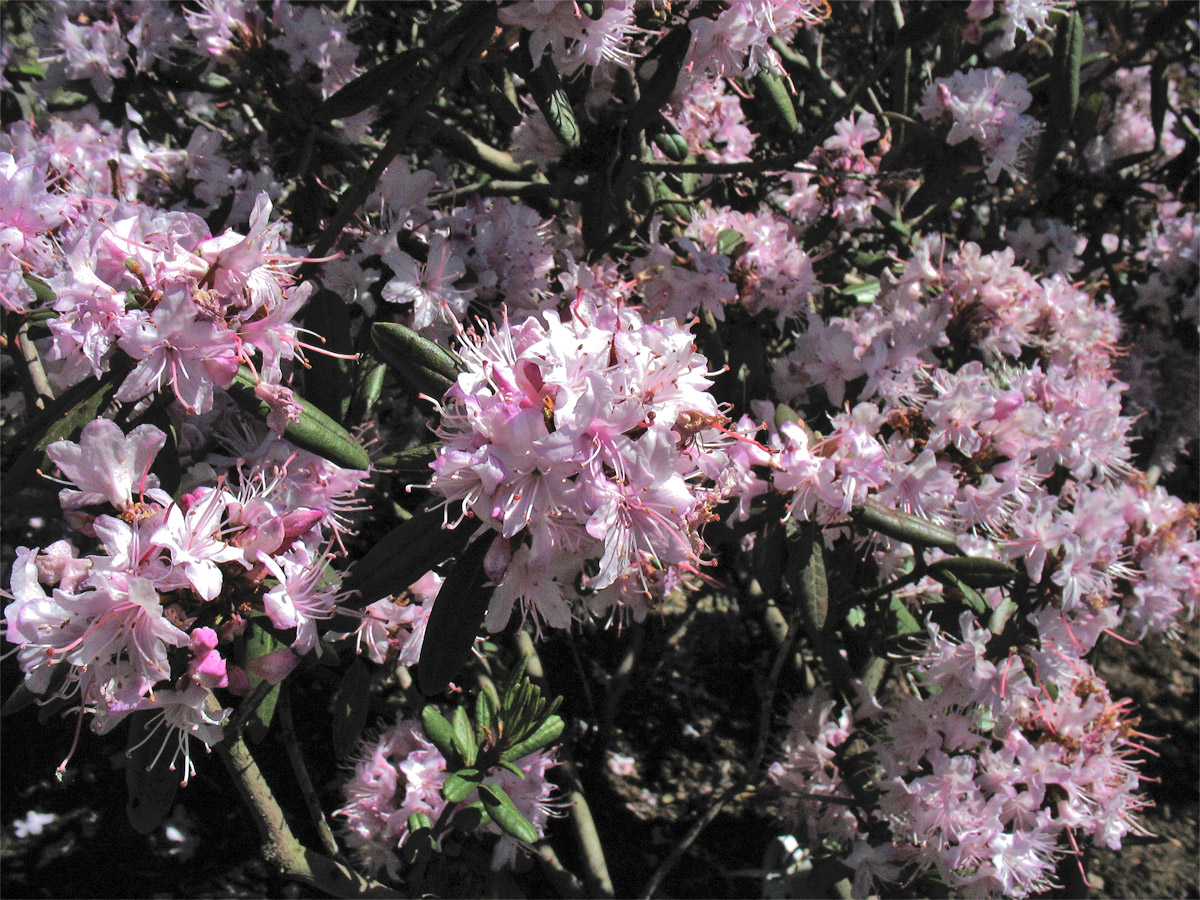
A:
[574,38]
[108,466]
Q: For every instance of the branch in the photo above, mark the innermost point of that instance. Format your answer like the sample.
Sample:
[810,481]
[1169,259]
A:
[279,844]
[300,770]
[599,881]
[356,195]
[815,582]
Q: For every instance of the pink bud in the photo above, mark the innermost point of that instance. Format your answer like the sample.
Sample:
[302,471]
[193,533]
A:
[274,667]
[499,555]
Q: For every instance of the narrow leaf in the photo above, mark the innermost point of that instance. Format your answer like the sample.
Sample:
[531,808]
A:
[315,432]
[328,382]
[976,571]
[369,88]
[350,706]
[904,527]
[429,367]
[259,643]
[150,779]
[1159,84]
[459,785]
[505,813]
[485,716]
[402,556]
[471,816]
[464,736]
[454,623]
[62,420]
[441,734]
[773,89]
[547,90]
[547,733]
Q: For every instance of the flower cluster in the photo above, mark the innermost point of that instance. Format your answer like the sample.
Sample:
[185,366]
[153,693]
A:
[987,106]
[400,773]
[980,773]
[132,282]
[148,621]
[983,770]
[589,443]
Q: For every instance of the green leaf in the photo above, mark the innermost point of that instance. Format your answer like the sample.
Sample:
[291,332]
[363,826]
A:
[505,813]
[970,597]
[904,527]
[904,623]
[62,420]
[547,733]
[454,622]
[669,55]
[1159,89]
[806,576]
[369,376]
[151,780]
[399,558]
[414,462]
[673,145]
[350,706]
[863,292]
[328,382]
[42,292]
[471,816]
[730,241]
[429,367]
[785,414]
[976,571]
[441,734]
[21,698]
[260,642]
[773,89]
[420,840]
[1068,53]
[459,785]
[464,736]
[369,88]
[547,90]
[485,716]
[315,432]
[1064,90]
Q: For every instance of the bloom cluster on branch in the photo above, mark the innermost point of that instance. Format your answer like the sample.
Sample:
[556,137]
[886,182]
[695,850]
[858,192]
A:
[681,291]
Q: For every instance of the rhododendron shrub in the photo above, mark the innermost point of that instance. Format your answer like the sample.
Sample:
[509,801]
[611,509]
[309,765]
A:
[360,356]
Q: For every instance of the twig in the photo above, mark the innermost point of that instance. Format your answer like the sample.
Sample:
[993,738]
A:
[39,384]
[247,707]
[599,882]
[357,194]
[280,846]
[619,682]
[789,162]
[471,150]
[815,571]
[565,883]
[300,770]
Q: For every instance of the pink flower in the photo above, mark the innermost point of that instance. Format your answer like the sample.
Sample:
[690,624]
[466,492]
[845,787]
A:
[985,105]
[193,543]
[107,466]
